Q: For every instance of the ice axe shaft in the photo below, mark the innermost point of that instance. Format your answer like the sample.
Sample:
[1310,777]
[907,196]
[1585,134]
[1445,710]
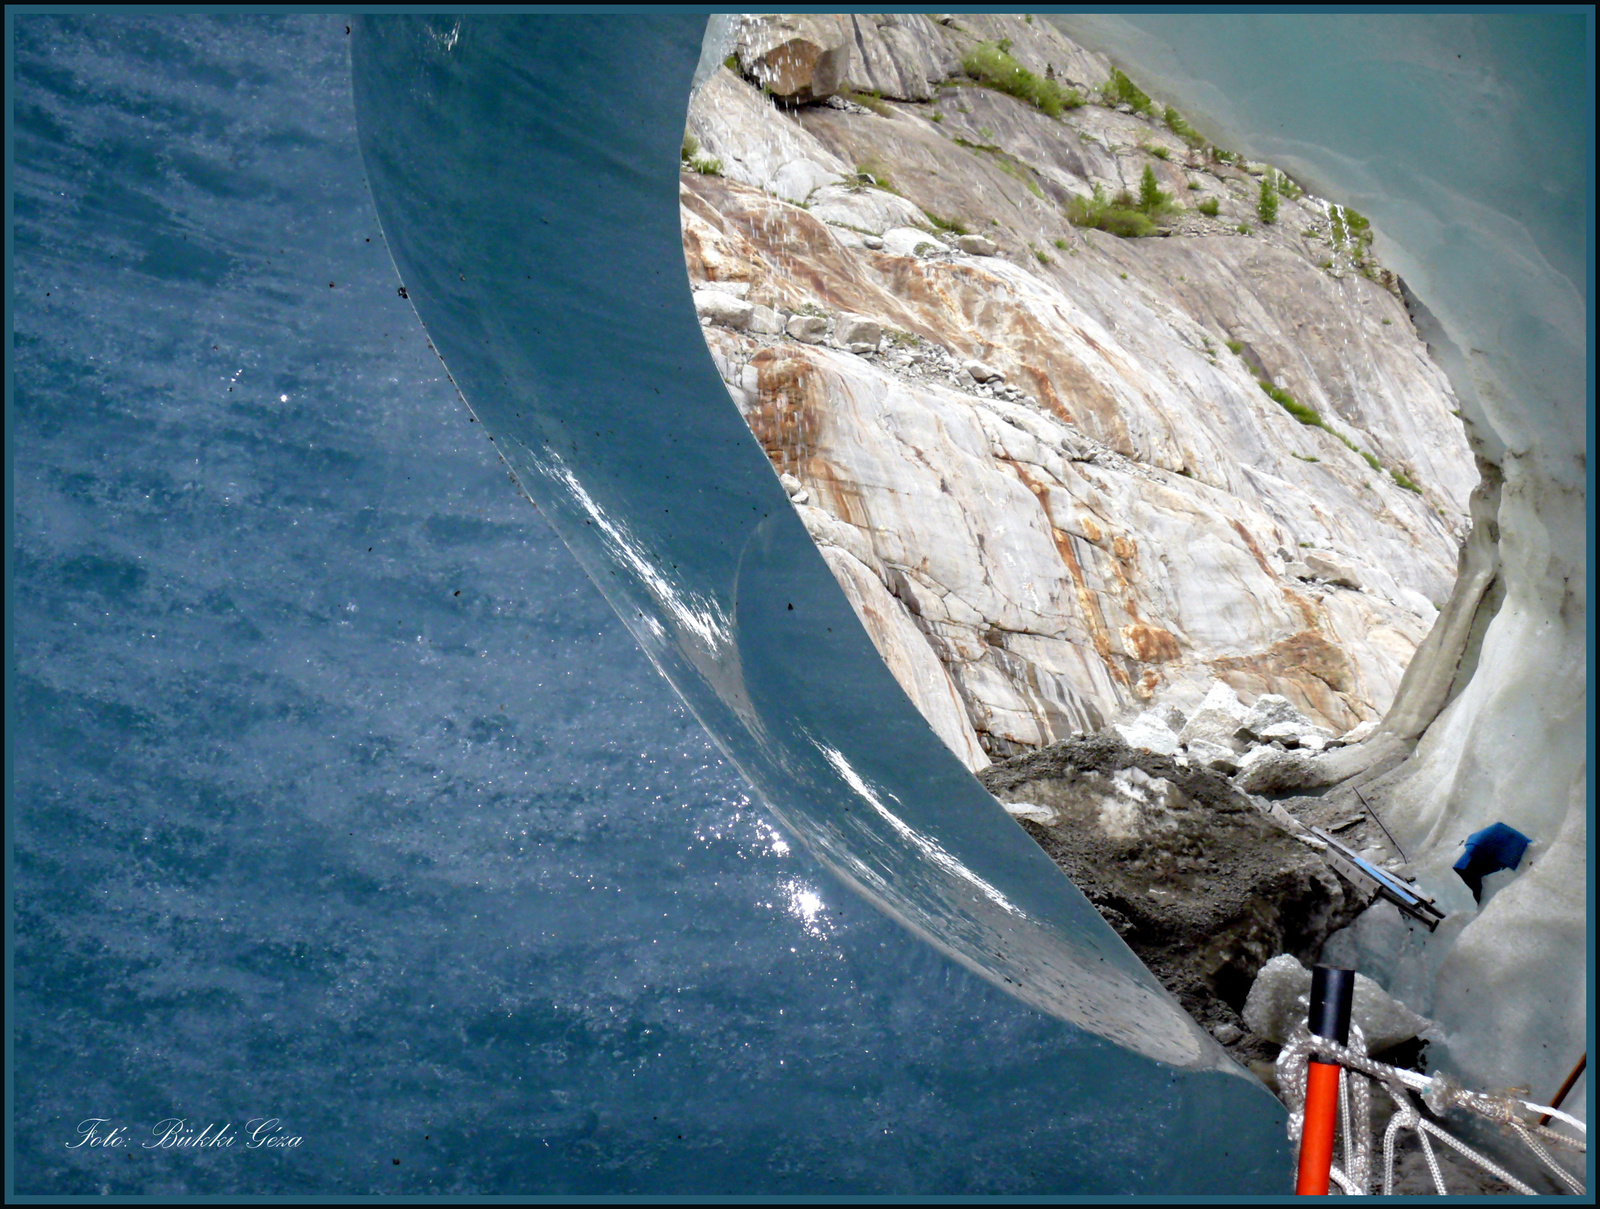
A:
[1332,991]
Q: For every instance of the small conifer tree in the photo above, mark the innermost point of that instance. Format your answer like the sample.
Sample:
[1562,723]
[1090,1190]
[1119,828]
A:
[1150,197]
[1267,203]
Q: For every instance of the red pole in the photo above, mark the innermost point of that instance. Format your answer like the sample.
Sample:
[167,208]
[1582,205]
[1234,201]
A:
[1331,993]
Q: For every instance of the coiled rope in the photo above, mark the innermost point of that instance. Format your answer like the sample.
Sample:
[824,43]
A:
[1439,1093]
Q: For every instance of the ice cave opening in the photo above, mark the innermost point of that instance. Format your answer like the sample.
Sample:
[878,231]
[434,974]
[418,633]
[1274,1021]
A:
[1108,408]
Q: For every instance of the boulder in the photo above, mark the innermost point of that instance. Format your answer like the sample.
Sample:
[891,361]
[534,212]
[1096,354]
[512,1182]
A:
[796,180]
[764,321]
[722,308]
[1331,570]
[858,334]
[1150,732]
[798,57]
[1216,721]
[1296,734]
[1281,996]
[908,241]
[978,371]
[1214,756]
[1271,770]
[977,245]
[808,329]
[1272,710]
[1360,733]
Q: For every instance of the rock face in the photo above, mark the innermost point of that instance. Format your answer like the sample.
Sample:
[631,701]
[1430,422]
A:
[1107,514]
[1202,884]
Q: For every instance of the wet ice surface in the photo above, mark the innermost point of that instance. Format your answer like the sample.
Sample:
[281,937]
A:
[341,796]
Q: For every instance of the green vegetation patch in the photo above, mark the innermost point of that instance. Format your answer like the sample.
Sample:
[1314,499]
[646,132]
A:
[1180,127]
[873,101]
[874,172]
[1119,90]
[1309,416]
[953,226]
[1124,215]
[1209,207]
[1267,199]
[1119,215]
[990,65]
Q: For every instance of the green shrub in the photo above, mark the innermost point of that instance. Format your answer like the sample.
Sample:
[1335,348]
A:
[1223,157]
[1150,195]
[1243,228]
[691,146]
[953,226]
[1336,224]
[1119,90]
[1126,224]
[1306,415]
[1194,184]
[731,62]
[1267,200]
[1063,245]
[991,66]
[871,100]
[1235,347]
[936,118]
[1181,128]
[873,169]
[1360,228]
[706,165]
[1119,215]
[1041,257]
[1304,457]
[1209,207]
[1160,152]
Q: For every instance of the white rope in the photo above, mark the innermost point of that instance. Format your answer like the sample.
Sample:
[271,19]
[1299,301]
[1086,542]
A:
[1439,1092]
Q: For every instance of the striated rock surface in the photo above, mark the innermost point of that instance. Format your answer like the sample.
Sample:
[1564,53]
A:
[1057,462]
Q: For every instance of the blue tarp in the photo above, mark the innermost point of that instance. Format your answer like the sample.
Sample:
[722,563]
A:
[1494,848]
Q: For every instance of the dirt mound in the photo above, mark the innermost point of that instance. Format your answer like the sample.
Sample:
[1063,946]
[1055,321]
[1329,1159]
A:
[1202,885]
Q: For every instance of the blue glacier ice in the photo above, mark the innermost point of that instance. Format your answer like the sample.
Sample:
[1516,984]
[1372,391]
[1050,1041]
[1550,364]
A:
[448,884]
[340,795]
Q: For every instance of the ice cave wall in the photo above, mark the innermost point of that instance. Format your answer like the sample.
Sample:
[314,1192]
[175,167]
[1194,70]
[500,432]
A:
[1482,185]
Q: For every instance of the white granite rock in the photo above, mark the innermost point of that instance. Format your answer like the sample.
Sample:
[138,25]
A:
[1332,570]
[856,333]
[1151,732]
[908,241]
[1280,999]
[723,308]
[809,329]
[764,321]
[1361,732]
[1213,756]
[1269,710]
[1270,770]
[976,245]
[1108,521]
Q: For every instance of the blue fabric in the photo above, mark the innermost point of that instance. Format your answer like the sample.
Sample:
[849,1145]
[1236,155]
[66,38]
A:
[1494,848]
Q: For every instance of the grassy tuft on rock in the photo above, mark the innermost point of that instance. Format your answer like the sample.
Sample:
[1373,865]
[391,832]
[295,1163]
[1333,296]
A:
[991,65]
